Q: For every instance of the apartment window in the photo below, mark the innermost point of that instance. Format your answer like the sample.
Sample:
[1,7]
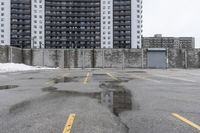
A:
[2,3]
[2,25]
[2,36]
[2,41]
[2,9]
[2,14]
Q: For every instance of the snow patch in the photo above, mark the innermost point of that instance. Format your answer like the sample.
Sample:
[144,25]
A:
[13,67]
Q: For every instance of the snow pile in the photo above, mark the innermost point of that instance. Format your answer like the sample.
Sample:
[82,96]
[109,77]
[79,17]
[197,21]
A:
[12,67]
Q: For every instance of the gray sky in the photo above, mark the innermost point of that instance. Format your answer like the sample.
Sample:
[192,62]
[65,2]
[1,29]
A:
[172,18]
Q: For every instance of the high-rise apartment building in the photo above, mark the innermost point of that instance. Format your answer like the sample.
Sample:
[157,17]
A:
[71,23]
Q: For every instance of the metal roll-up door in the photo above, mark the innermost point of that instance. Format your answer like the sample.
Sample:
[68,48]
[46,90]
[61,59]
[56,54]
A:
[156,58]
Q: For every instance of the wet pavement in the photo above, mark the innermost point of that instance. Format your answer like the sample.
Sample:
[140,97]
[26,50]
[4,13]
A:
[104,101]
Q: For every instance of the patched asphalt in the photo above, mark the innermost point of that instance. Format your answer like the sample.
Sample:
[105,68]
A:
[103,100]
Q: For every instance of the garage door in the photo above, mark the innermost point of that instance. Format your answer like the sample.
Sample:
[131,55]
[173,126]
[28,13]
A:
[156,58]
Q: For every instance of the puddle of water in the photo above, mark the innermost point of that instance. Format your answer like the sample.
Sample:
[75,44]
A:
[117,101]
[65,80]
[114,96]
[6,87]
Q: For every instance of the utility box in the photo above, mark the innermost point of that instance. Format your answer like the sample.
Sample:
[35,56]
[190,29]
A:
[156,58]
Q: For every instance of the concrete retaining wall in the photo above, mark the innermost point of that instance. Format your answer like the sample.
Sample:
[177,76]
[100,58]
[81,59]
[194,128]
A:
[193,57]
[27,56]
[96,58]
[4,53]
[176,58]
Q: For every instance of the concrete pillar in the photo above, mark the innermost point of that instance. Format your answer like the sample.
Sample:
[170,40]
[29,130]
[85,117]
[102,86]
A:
[103,58]
[167,58]
[123,59]
[186,59]
[142,62]
[42,57]
[63,54]
[11,51]
[83,59]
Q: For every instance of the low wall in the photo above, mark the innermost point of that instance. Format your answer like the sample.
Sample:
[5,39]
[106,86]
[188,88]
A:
[193,57]
[4,53]
[96,58]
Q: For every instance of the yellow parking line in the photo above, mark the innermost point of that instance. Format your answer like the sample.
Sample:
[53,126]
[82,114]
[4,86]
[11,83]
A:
[186,121]
[111,76]
[86,79]
[68,126]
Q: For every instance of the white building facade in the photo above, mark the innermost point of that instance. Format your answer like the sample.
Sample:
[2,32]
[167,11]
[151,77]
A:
[121,23]
[38,24]
[4,22]
[137,23]
[107,23]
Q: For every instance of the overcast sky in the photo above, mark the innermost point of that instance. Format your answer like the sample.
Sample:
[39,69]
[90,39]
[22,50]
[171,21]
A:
[172,18]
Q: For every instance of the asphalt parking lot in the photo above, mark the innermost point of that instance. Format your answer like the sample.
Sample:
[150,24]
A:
[100,101]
